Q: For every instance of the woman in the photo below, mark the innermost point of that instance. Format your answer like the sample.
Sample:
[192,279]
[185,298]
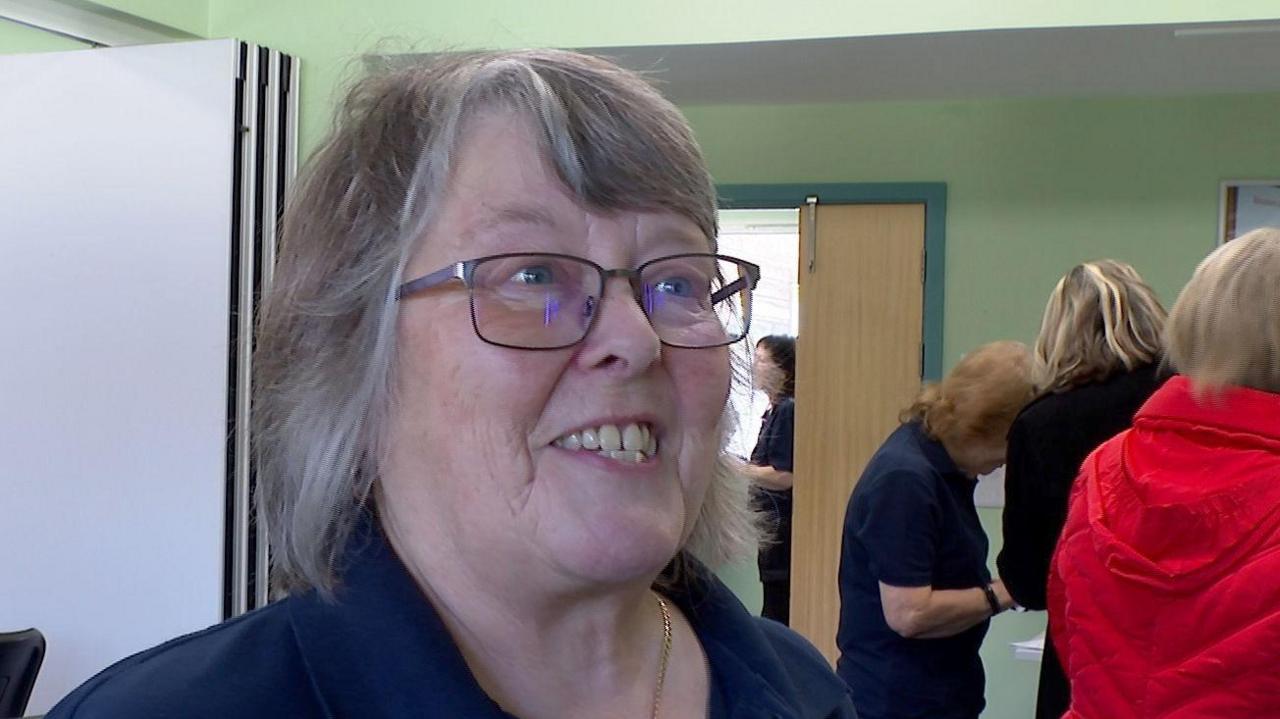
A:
[915,593]
[1095,364]
[774,369]
[1164,592]
[491,413]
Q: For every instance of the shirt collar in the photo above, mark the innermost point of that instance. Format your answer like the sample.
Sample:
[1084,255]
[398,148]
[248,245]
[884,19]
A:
[749,671]
[935,453]
[379,649]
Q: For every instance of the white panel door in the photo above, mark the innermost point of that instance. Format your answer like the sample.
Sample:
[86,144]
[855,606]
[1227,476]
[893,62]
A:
[115,254]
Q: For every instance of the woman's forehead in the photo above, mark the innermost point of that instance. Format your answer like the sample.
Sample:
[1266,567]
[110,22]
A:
[504,179]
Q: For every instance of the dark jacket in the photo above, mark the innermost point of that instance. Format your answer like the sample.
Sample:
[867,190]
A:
[381,651]
[1047,444]
[1164,589]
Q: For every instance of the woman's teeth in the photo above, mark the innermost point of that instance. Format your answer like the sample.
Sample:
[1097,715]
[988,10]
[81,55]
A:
[632,443]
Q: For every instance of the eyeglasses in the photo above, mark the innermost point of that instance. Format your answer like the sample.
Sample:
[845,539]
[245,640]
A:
[547,301]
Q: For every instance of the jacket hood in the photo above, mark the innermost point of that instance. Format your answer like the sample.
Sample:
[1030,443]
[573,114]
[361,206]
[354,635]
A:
[1195,490]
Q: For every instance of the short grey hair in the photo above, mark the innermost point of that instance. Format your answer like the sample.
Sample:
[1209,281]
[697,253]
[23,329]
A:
[327,343]
[1224,330]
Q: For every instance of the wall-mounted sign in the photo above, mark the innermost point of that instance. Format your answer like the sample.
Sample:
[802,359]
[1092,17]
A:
[1247,205]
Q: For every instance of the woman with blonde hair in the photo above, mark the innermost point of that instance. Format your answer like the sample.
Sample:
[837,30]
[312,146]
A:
[915,593]
[1096,362]
[1164,591]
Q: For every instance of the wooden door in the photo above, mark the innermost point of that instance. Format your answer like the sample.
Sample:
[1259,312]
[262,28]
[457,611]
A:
[858,365]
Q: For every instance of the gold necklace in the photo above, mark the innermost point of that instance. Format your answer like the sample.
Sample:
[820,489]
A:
[666,654]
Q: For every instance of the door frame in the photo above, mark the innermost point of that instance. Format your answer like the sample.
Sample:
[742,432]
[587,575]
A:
[933,195]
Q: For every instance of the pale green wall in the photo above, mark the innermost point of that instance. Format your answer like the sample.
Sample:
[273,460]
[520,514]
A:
[15,38]
[1034,186]
[187,15]
[329,36]
[566,23]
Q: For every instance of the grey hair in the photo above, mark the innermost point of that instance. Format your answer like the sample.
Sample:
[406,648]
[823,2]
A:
[326,349]
[1224,329]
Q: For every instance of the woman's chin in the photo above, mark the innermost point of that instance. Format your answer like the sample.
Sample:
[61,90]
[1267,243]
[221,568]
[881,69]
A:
[619,550]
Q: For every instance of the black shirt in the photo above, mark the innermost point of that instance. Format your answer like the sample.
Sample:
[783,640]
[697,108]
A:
[775,448]
[1048,443]
[911,522]
[379,650]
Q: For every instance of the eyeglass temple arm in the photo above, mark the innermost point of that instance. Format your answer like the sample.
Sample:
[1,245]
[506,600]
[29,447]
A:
[730,289]
[456,271]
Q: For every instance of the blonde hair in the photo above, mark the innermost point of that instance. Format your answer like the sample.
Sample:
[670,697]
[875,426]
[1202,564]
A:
[325,361]
[1224,329]
[979,398]
[1101,318]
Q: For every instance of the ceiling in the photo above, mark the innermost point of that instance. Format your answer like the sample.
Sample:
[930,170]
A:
[1054,62]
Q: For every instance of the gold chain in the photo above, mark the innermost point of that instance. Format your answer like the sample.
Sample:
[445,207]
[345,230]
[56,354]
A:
[666,655]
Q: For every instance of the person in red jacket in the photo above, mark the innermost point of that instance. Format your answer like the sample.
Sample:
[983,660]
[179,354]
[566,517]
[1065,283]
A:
[1164,593]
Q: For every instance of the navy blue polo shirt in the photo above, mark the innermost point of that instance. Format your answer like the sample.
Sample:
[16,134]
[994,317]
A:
[775,448]
[911,522]
[380,651]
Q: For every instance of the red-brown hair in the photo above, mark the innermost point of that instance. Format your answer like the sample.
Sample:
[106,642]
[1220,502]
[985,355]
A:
[979,398]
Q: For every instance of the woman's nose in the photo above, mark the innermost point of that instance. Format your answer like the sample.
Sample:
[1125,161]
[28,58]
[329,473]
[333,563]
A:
[621,336]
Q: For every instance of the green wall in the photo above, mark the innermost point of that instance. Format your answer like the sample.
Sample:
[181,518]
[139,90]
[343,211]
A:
[1033,186]
[191,16]
[568,23]
[15,38]
[329,36]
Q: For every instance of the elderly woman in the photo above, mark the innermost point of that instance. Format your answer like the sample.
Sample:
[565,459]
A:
[1164,592]
[494,375]
[916,596]
[1095,364]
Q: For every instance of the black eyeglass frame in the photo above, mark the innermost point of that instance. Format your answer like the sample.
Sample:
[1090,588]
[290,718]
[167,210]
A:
[465,272]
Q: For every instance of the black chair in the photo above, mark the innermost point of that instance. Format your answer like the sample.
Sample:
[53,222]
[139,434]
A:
[21,654]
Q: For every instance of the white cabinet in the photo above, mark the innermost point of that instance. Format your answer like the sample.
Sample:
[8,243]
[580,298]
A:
[138,191]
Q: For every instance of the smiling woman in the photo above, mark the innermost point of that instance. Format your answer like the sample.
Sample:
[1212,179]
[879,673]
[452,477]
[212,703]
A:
[491,412]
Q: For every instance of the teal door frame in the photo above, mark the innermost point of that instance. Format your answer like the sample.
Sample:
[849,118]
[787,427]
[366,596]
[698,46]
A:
[933,195]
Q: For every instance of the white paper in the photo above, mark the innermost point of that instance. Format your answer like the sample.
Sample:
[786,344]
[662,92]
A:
[1030,650]
[990,491]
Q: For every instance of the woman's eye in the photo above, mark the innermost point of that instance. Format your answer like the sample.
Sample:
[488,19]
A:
[678,286]
[538,275]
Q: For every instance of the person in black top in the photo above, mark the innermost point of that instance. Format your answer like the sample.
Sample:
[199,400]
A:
[915,592]
[1095,365]
[774,370]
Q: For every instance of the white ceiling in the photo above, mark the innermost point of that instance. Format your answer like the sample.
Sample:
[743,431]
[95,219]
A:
[1064,62]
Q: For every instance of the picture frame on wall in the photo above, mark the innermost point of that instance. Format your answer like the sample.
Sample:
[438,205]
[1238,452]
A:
[1246,205]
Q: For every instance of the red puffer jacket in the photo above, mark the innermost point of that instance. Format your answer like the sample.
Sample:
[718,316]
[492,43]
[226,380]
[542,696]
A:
[1164,592]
